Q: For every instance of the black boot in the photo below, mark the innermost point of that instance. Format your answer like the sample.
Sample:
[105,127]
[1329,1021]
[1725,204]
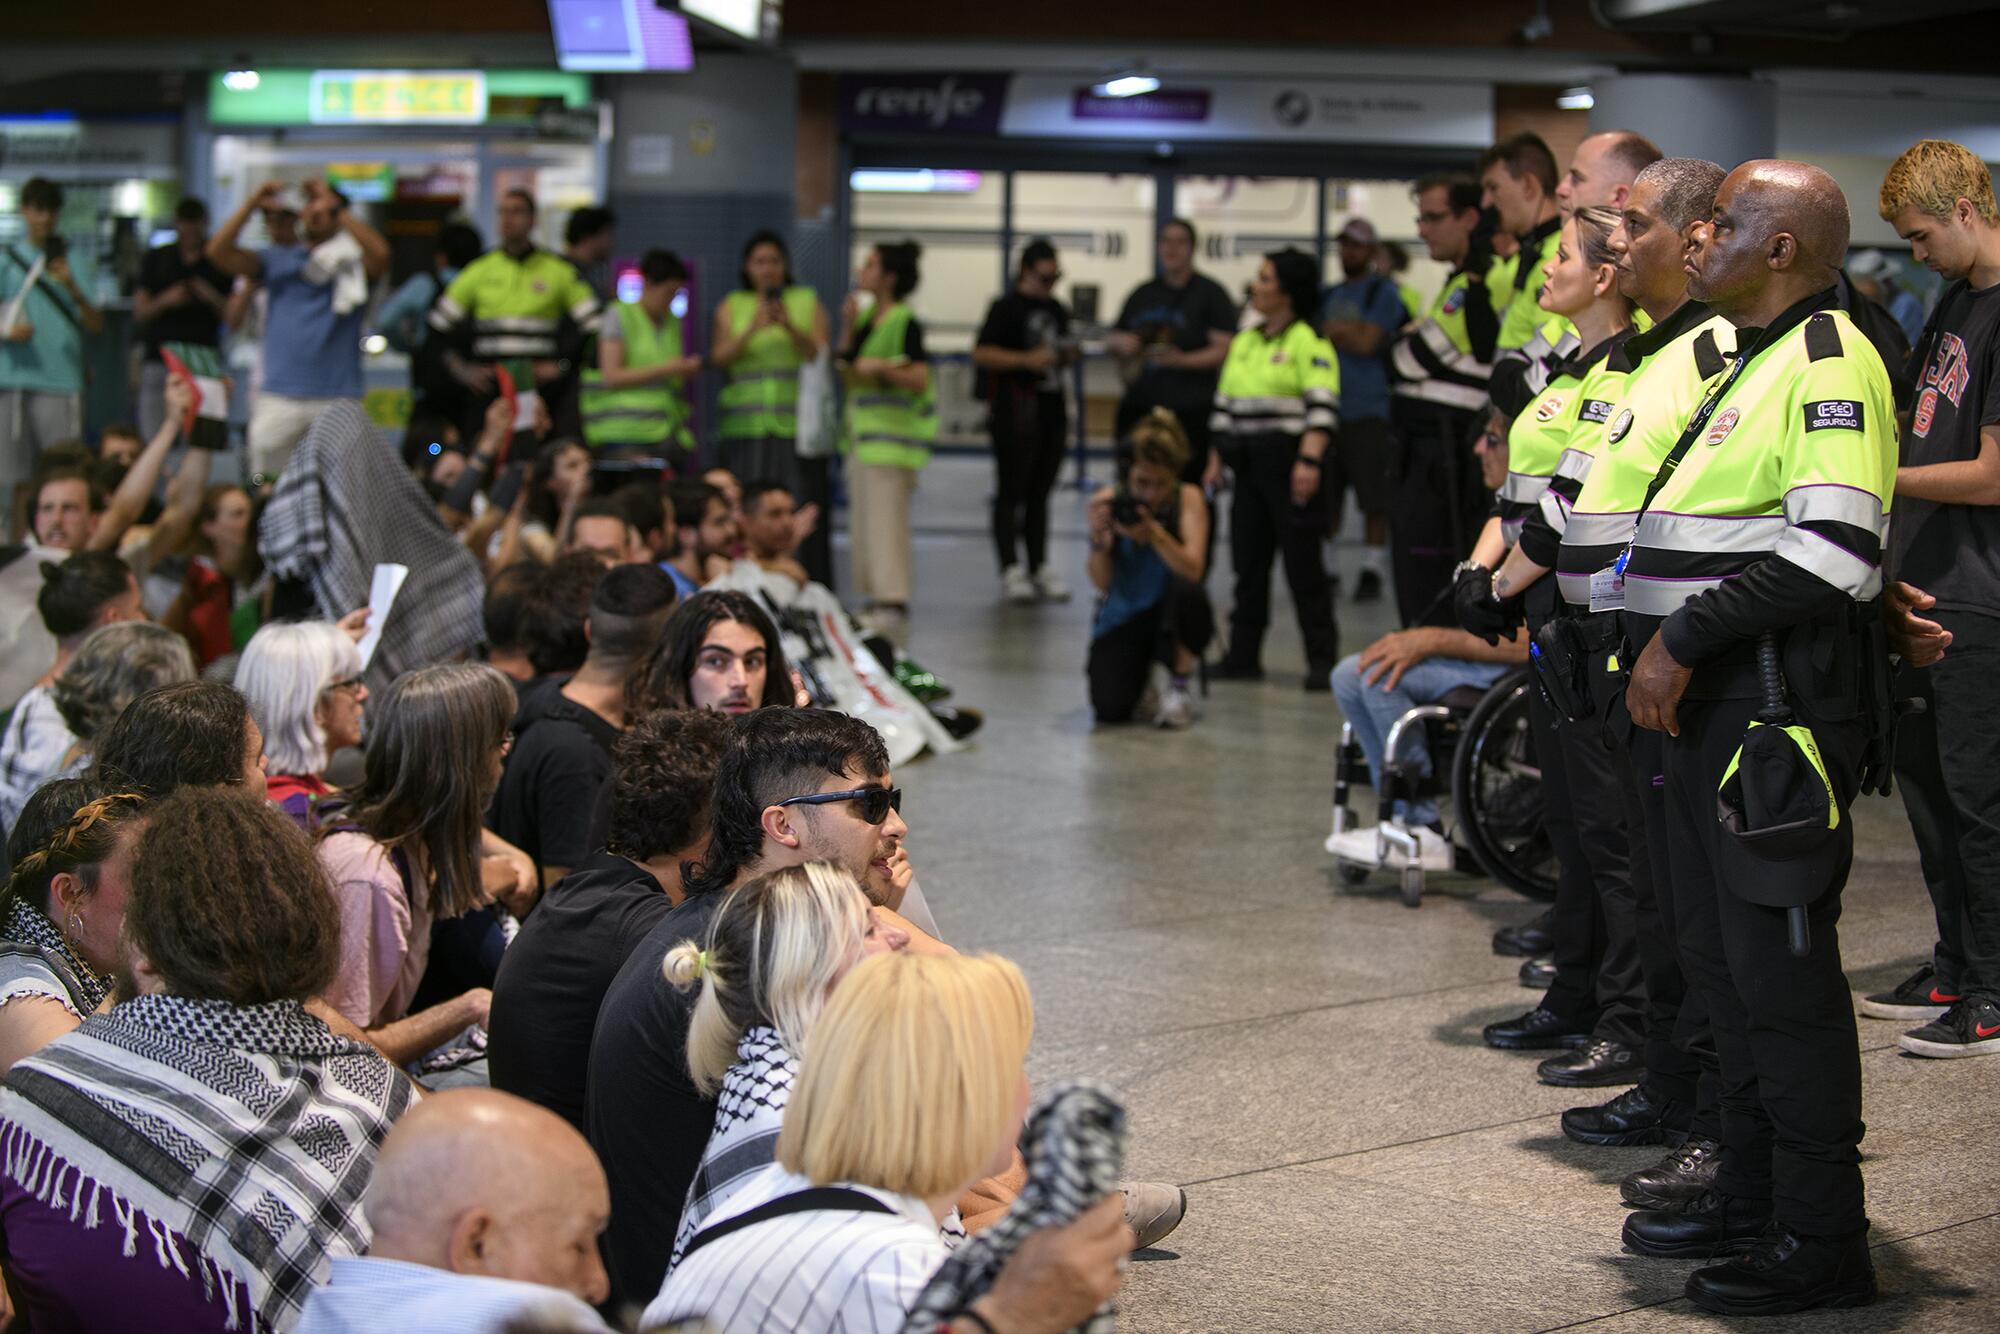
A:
[1538,974]
[1677,1180]
[1602,1062]
[1528,939]
[1788,1272]
[1633,1117]
[1715,1224]
[1537,1029]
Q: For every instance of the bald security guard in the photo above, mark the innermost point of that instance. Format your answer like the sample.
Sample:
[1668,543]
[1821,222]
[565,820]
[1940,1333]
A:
[1770,527]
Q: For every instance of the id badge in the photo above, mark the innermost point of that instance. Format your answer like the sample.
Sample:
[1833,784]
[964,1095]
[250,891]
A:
[1607,589]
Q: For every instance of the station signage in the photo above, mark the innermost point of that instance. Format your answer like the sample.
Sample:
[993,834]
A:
[397,97]
[380,97]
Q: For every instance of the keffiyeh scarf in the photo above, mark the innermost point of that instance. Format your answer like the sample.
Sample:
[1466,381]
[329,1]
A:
[749,1113]
[345,504]
[1074,1147]
[35,960]
[249,1132]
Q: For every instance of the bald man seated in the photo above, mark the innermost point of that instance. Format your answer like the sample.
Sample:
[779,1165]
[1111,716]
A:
[486,1211]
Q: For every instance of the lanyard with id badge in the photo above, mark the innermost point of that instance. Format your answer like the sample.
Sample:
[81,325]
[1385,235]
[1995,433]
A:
[1607,586]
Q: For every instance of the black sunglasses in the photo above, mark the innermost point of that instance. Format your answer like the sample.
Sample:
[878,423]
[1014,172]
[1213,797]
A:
[875,802]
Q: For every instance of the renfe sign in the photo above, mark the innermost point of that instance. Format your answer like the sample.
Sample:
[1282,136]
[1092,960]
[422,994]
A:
[923,104]
[1053,106]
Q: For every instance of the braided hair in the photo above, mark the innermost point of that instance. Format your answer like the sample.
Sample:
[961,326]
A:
[69,825]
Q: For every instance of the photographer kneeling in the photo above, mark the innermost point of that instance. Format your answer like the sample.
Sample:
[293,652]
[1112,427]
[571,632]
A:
[1148,540]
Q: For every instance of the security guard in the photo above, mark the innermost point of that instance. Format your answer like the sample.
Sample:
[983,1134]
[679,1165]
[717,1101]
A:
[1517,179]
[1767,519]
[634,402]
[1438,371]
[1595,997]
[516,304]
[1642,393]
[1274,419]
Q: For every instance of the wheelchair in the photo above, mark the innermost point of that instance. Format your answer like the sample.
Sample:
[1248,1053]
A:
[1492,803]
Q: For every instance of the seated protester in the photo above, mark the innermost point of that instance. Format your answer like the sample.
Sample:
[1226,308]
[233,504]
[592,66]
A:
[771,533]
[777,948]
[704,532]
[719,651]
[553,977]
[206,1142]
[120,444]
[303,681]
[1384,681]
[646,509]
[72,859]
[1148,554]
[602,528]
[114,665]
[470,1232]
[556,485]
[539,610]
[89,589]
[646,1119]
[194,734]
[217,605]
[72,509]
[566,727]
[912,1087]
[408,851]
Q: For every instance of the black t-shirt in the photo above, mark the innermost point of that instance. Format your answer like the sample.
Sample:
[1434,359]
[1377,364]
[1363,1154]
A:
[548,791]
[193,321]
[645,1119]
[1183,317]
[554,976]
[1021,324]
[1951,551]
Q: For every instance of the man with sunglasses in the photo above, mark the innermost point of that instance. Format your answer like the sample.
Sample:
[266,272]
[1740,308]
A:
[1020,352]
[795,785]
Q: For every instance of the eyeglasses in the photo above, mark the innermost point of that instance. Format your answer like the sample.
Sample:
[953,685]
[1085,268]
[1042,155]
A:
[875,803]
[351,684]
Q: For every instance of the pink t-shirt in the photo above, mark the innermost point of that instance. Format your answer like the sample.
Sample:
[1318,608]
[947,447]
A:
[385,935]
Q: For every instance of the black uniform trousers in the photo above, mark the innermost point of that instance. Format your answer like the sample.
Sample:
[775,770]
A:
[1784,1026]
[1948,762]
[1437,506]
[1577,915]
[1264,524]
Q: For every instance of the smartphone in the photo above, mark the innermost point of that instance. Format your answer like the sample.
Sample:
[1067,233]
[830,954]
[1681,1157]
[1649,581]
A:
[55,248]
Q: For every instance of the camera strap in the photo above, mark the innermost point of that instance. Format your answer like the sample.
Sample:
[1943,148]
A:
[48,292]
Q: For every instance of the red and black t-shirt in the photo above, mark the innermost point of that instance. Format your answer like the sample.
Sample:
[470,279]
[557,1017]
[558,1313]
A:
[1951,551]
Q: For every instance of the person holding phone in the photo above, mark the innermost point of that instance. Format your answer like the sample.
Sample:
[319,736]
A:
[318,295]
[635,402]
[41,347]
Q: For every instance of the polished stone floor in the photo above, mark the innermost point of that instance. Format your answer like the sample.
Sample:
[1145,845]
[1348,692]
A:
[1303,1057]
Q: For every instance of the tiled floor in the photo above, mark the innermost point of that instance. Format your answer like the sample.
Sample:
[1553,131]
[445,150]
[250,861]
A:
[1305,1058]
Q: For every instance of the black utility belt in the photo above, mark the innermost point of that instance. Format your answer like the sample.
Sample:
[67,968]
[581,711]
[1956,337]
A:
[1576,655]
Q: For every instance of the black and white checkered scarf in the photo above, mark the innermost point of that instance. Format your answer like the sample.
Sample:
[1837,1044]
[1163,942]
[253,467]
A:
[33,952]
[248,1132]
[1074,1147]
[345,504]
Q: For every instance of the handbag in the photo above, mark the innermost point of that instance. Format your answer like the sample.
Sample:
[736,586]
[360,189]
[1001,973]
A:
[818,410]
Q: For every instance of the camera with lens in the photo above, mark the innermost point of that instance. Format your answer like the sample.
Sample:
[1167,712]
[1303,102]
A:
[1126,510]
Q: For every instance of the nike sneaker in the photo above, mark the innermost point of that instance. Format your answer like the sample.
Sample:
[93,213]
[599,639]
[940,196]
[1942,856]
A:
[1919,997]
[1969,1028]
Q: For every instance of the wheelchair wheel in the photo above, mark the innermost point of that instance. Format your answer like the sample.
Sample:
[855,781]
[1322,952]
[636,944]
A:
[1496,786]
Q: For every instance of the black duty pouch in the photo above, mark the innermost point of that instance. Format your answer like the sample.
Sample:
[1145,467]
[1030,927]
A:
[1562,669]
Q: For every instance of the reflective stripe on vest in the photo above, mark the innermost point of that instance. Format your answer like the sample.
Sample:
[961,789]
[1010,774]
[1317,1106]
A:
[887,427]
[760,400]
[643,414]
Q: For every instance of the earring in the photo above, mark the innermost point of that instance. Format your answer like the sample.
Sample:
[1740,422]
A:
[72,927]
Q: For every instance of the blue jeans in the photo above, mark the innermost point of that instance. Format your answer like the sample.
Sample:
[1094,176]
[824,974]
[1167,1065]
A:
[1373,710]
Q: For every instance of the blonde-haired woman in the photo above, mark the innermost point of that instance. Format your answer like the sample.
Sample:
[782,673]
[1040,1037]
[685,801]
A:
[775,951]
[912,1088]
[1149,541]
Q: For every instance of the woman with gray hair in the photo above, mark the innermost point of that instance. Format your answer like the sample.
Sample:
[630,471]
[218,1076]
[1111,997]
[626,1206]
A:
[114,666]
[303,681]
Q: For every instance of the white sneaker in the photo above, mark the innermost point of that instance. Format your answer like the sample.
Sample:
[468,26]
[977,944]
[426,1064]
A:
[1017,586]
[1176,708]
[1359,846]
[1434,850]
[1050,588]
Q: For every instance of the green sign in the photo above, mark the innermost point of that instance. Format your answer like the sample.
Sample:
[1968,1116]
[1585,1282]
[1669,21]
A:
[285,97]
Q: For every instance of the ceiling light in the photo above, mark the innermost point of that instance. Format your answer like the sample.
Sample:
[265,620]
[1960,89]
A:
[241,80]
[1127,85]
[1576,99]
